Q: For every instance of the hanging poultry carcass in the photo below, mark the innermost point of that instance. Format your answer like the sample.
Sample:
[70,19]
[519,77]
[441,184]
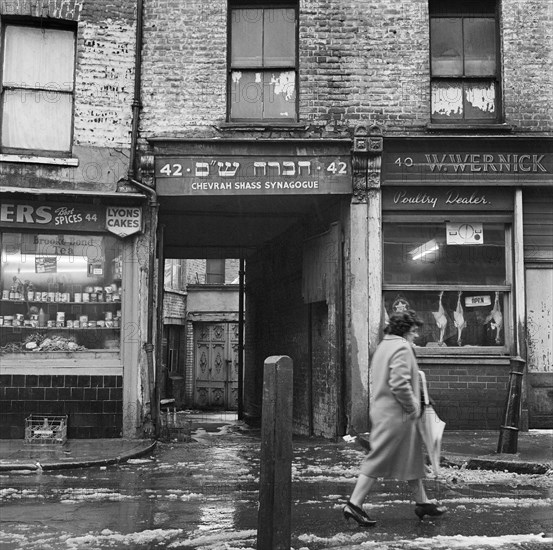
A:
[495,318]
[441,319]
[459,320]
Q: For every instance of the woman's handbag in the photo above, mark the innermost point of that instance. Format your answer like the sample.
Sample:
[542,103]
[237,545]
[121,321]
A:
[431,428]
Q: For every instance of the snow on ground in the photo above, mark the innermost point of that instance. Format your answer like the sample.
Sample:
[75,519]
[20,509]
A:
[130,540]
[346,541]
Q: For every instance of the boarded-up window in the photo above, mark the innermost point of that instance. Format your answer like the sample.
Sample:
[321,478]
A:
[464,62]
[263,63]
[37,88]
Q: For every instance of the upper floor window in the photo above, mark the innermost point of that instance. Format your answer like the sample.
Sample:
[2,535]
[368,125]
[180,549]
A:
[263,71]
[38,66]
[464,61]
[215,272]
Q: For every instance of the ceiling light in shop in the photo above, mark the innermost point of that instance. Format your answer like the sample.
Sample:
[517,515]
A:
[424,249]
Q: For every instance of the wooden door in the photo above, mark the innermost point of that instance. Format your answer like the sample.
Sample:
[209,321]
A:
[216,365]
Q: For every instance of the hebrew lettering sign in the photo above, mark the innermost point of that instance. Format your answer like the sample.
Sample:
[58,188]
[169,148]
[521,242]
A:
[252,175]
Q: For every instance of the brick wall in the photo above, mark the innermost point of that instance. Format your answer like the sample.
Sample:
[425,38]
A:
[104,89]
[94,404]
[232,267]
[105,73]
[527,55]
[359,62]
[184,66]
[196,271]
[469,396]
[174,306]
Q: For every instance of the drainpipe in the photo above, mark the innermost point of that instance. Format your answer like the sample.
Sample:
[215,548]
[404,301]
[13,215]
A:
[241,290]
[136,104]
[149,344]
[153,209]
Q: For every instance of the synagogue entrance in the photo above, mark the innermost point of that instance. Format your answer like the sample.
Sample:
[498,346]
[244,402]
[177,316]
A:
[216,365]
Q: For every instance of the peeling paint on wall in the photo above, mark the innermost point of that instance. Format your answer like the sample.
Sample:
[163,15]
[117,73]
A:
[105,83]
[539,284]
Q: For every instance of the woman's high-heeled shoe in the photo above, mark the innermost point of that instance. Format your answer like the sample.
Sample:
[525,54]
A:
[358,514]
[429,509]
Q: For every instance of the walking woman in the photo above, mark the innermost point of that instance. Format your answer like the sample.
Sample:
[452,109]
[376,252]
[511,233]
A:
[396,444]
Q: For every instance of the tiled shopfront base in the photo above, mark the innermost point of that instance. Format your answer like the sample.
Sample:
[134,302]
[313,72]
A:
[93,404]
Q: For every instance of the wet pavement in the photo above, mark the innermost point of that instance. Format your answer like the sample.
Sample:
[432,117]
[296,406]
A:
[473,449]
[203,493]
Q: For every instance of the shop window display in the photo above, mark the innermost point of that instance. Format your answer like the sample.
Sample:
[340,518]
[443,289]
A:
[59,292]
[455,275]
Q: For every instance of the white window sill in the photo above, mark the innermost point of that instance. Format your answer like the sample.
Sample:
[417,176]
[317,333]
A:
[30,159]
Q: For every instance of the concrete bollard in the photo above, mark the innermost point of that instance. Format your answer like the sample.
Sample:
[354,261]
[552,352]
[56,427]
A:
[275,480]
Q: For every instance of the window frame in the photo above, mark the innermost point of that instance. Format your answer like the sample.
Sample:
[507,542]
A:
[72,307]
[262,4]
[507,289]
[496,79]
[53,26]
[219,273]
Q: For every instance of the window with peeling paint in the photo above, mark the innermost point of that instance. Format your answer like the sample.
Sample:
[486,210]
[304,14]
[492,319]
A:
[263,63]
[464,61]
[38,67]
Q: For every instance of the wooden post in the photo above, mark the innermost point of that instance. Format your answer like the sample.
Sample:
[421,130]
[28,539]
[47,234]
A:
[508,434]
[275,480]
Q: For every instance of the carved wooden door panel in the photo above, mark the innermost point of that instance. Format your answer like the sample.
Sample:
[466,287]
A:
[232,386]
[216,365]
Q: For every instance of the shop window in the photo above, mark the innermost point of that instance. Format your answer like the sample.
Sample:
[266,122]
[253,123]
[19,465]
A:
[456,276]
[38,66]
[215,272]
[262,78]
[464,62]
[60,292]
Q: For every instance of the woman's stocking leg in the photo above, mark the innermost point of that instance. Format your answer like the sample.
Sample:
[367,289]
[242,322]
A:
[361,490]
[417,489]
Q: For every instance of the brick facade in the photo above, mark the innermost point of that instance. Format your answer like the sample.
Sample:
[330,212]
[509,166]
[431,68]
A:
[174,307]
[98,159]
[93,404]
[359,63]
[196,271]
[104,78]
[468,396]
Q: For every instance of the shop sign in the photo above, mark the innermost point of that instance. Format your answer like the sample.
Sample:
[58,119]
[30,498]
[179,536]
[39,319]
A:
[46,246]
[478,301]
[124,220]
[253,175]
[82,217]
[458,162]
[461,199]
[464,233]
[70,217]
